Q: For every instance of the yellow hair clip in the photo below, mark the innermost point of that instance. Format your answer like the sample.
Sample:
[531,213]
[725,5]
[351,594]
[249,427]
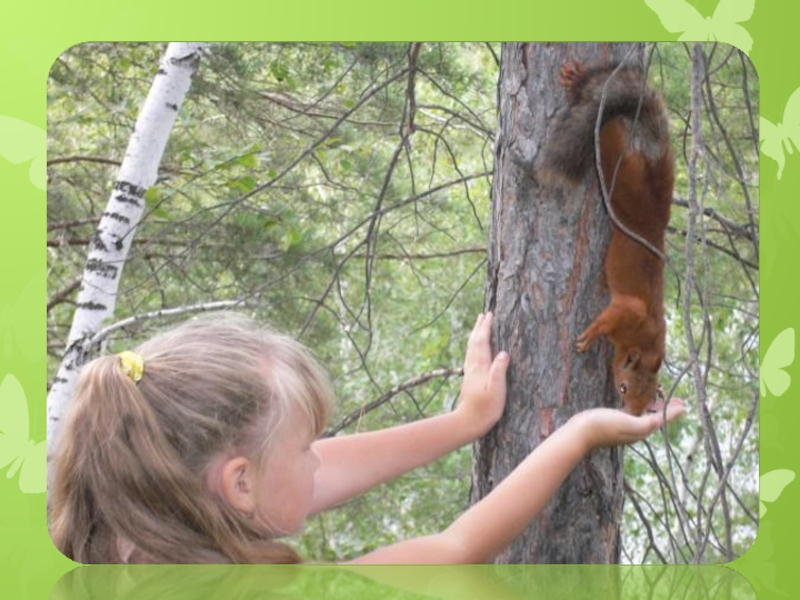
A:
[132,365]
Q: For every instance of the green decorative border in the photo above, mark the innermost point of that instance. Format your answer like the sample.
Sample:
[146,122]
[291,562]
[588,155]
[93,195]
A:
[34,33]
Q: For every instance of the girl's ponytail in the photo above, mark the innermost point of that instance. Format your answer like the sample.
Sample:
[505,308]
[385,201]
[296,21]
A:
[130,474]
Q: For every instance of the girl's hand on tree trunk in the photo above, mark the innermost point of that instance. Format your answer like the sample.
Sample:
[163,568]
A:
[483,392]
[611,427]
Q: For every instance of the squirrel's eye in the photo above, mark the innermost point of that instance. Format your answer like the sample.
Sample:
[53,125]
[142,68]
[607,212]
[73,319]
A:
[623,388]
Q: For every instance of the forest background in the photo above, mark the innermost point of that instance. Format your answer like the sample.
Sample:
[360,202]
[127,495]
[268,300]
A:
[369,245]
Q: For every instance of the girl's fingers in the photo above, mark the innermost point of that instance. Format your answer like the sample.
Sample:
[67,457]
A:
[675,408]
[484,325]
[479,322]
[655,420]
[497,374]
[478,348]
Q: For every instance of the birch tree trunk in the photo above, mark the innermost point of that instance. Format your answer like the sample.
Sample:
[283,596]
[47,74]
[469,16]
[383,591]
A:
[112,240]
[545,286]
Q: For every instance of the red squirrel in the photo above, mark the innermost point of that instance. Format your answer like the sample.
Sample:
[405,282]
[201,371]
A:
[638,171]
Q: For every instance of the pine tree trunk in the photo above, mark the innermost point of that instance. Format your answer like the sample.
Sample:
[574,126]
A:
[112,240]
[545,286]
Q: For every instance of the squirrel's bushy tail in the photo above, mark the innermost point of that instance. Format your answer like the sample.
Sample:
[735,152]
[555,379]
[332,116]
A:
[571,144]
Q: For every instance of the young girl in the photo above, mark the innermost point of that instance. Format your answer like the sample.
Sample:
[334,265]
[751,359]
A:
[201,446]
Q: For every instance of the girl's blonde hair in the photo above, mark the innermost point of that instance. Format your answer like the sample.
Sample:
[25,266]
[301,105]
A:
[132,464]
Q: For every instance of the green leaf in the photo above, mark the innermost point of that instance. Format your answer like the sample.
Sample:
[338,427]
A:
[246,183]
[279,71]
[290,239]
[154,200]
[248,160]
[152,197]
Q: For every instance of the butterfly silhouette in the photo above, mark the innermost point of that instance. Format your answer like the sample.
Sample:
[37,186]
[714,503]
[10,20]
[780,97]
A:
[678,15]
[21,320]
[19,142]
[774,138]
[771,485]
[16,449]
[779,355]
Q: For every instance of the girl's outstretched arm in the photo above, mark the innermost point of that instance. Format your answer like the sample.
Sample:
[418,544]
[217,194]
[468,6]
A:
[489,526]
[352,464]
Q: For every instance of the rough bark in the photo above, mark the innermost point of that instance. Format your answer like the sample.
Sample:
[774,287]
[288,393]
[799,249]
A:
[112,240]
[545,285]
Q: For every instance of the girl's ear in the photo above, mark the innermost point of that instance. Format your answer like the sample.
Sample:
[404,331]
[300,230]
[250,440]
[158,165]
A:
[238,484]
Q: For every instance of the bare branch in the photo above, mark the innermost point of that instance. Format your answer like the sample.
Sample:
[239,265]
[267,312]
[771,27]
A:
[101,335]
[399,388]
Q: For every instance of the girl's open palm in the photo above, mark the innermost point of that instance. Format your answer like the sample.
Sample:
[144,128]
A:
[611,427]
[483,392]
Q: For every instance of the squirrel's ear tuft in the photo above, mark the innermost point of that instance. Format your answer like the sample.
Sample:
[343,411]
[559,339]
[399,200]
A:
[632,358]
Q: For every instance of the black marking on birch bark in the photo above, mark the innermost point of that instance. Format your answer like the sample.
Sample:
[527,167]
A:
[58,380]
[75,347]
[101,268]
[117,217]
[119,244]
[182,61]
[98,243]
[161,72]
[172,106]
[78,349]
[126,187]
[91,305]
[126,199]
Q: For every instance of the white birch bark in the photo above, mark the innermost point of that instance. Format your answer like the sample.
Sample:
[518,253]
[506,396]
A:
[112,240]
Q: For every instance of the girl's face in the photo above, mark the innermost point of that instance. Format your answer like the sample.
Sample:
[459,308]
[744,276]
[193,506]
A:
[286,481]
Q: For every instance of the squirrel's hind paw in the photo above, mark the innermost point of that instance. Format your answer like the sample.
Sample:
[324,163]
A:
[571,74]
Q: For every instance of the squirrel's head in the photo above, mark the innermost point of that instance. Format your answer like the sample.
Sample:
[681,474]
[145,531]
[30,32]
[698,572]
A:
[636,379]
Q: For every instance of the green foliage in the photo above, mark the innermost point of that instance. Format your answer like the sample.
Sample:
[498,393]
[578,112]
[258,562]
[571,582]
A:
[287,183]
[278,187]
[715,364]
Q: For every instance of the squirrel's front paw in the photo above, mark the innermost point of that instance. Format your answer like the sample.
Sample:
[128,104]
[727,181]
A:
[586,338]
[582,343]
